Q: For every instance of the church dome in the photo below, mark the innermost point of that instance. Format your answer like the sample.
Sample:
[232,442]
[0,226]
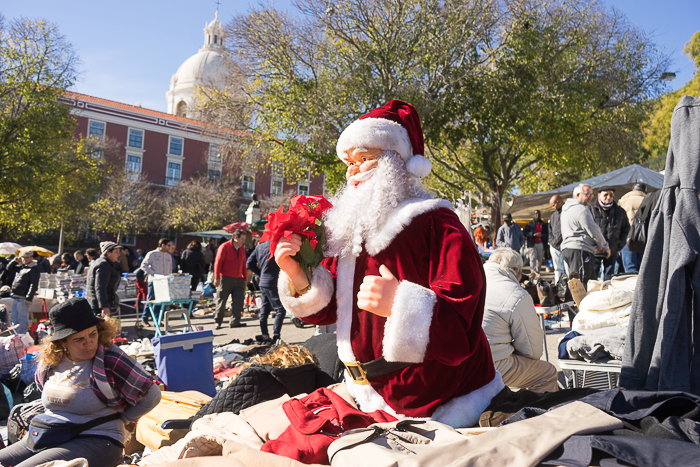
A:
[210,66]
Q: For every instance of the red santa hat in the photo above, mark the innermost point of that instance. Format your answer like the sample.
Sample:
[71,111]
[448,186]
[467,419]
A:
[394,126]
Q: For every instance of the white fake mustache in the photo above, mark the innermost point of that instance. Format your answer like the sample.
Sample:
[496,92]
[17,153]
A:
[362,176]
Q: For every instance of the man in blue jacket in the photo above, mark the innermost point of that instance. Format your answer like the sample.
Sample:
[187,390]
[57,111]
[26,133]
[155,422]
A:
[260,263]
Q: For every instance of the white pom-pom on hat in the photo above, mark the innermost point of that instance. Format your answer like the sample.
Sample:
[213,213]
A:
[419,166]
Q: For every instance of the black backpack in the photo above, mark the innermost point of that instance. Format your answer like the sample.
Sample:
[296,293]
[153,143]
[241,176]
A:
[637,238]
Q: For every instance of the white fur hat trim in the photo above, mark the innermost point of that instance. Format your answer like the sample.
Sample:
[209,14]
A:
[375,133]
[419,166]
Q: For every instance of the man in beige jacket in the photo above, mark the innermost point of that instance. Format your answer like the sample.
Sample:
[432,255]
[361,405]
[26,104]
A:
[631,260]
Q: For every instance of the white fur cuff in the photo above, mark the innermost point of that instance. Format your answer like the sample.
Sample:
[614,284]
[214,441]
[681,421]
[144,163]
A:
[407,330]
[313,301]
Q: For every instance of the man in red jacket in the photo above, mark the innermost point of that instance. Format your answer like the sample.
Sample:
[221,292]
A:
[230,279]
[403,281]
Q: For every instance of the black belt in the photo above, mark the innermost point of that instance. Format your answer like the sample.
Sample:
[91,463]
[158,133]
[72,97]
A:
[361,373]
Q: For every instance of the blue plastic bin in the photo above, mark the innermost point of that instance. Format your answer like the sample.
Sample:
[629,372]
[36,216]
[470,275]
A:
[184,361]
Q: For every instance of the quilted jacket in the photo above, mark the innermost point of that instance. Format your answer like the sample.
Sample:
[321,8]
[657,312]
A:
[260,383]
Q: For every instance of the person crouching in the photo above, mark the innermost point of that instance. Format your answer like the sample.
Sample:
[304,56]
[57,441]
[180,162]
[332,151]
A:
[512,326]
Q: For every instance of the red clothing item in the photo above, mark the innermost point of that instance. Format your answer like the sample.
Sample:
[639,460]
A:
[538,229]
[230,262]
[315,422]
[434,251]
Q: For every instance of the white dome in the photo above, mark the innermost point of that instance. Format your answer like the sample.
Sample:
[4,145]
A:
[208,67]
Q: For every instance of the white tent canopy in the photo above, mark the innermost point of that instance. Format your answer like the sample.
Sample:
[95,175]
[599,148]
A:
[622,179]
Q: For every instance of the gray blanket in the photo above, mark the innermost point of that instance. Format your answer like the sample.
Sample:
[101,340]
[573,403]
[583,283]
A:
[598,344]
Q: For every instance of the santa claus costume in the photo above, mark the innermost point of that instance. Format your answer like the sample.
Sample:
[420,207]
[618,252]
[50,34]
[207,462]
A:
[435,322]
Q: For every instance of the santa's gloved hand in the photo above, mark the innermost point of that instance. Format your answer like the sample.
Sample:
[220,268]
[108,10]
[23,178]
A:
[377,293]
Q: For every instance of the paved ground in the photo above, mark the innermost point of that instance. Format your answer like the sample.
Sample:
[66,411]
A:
[290,333]
[293,335]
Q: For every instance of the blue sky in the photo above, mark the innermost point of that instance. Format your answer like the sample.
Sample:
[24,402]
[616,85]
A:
[129,49]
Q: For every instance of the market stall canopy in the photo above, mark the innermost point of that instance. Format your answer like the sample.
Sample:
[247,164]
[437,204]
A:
[622,179]
[209,234]
[9,248]
[236,226]
[39,250]
[258,226]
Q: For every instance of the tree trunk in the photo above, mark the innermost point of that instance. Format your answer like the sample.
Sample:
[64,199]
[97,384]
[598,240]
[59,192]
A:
[60,240]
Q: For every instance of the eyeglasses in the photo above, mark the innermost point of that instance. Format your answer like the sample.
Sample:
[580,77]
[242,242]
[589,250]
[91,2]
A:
[606,195]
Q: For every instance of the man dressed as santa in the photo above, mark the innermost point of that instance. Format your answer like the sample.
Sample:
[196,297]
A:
[403,281]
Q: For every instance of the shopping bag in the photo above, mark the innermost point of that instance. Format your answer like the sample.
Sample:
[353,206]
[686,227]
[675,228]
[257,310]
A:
[11,351]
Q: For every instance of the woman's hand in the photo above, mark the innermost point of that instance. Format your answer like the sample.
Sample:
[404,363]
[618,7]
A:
[286,248]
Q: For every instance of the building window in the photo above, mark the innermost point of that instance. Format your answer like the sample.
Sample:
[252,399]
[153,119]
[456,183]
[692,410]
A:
[214,154]
[135,138]
[181,109]
[133,167]
[173,176]
[214,175]
[276,187]
[96,130]
[128,239]
[248,185]
[175,146]
[303,185]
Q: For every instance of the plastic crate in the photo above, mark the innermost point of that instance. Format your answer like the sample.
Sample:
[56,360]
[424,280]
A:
[169,288]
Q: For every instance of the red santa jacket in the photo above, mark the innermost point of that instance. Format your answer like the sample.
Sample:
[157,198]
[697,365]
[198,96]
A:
[435,321]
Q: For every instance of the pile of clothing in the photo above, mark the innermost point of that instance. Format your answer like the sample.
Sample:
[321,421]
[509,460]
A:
[600,327]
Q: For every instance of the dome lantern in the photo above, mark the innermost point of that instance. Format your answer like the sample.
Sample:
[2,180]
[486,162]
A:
[214,35]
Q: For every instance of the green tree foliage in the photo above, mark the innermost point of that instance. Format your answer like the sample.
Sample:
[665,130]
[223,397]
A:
[198,205]
[658,128]
[46,175]
[505,88]
[128,206]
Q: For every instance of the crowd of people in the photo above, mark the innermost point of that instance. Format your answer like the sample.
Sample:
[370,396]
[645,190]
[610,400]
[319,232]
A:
[586,240]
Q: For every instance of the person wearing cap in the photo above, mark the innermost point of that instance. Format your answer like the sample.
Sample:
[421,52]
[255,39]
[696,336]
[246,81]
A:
[510,235]
[581,236]
[85,377]
[24,287]
[630,202]
[613,222]
[103,279]
[403,280]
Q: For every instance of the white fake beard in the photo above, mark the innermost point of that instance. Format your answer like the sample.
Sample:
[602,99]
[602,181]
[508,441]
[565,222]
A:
[359,212]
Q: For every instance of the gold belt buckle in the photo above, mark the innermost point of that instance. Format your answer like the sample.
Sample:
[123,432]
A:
[357,373]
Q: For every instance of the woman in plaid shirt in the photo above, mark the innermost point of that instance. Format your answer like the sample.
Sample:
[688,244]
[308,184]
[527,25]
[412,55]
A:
[84,376]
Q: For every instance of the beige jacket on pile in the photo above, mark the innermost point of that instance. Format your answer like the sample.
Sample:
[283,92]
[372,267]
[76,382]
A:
[630,203]
[510,322]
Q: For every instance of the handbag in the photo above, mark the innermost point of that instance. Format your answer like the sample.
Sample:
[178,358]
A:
[45,431]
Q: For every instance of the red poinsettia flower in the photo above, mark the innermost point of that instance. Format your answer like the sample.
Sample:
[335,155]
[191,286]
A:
[303,218]
[282,224]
